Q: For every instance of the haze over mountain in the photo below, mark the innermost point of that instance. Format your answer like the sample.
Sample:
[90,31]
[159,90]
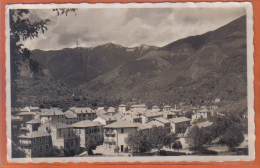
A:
[203,67]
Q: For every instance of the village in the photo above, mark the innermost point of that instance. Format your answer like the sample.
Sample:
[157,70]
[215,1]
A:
[82,131]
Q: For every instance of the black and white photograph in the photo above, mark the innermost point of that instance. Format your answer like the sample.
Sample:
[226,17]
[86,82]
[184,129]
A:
[130,82]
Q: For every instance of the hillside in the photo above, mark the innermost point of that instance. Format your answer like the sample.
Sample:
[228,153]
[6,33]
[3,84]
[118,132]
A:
[193,70]
[76,66]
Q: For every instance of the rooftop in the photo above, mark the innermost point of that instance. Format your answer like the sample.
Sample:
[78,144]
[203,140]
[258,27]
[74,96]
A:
[34,134]
[58,124]
[111,110]
[34,121]
[162,120]
[107,117]
[27,113]
[142,126]
[204,124]
[52,112]
[155,123]
[69,115]
[80,110]
[121,124]
[139,106]
[17,118]
[179,119]
[86,123]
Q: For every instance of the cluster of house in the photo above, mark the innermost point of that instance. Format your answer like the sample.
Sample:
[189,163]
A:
[40,130]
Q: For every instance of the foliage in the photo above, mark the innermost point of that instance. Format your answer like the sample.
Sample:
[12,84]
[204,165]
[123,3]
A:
[57,151]
[17,152]
[233,136]
[195,137]
[90,144]
[61,11]
[177,145]
[116,149]
[139,141]
[143,141]
[189,114]
[226,129]
[159,138]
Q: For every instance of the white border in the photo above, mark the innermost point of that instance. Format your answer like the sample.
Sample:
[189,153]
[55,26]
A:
[250,84]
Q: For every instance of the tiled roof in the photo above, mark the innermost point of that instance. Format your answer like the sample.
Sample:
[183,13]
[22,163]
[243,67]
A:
[69,115]
[122,105]
[86,123]
[80,110]
[139,106]
[34,121]
[152,113]
[142,126]
[155,123]
[34,134]
[121,124]
[204,124]
[162,120]
[58,124]
[203,111]
[107,117]
[16,118]
[111,110]
[52,112]
[179,119]
[117,116]
[27,113]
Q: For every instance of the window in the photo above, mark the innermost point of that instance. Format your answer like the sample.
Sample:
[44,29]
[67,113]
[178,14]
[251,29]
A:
[61,116]
[98,130]
[76,143]
[62,121]
[34,140]
[40,148]
[46,139]
[60,134]
[84,115]
[95,138]
[86,131]
[46,128]
[122,130]
[71,144]
[58,116]
[67,145]
[34,148]
[80,131]
[67,122]
[47,146]
[40,139]
[70,122]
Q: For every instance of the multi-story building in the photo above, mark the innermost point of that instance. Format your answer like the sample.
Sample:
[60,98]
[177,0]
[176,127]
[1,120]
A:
[111,111]
[36,144]
[179,124]
[84,113]
[122,108]
[115,134]
[33,125]
[63,137]
[53,115]
[87,129]
[26,116]
[105,119]
[70,118]
[165,122]
[138,106]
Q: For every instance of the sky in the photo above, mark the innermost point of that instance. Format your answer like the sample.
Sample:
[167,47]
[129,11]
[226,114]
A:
[128,27]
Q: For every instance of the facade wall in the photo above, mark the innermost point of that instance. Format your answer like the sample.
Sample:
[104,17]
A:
[32,127]
[58,118]
[37,147]
[117,138]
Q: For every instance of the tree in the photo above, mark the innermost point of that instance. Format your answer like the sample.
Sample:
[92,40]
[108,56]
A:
[90,144]
[159,138]
[138,141]
[177,145]
[195,138]
[233,136]
[189,114]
